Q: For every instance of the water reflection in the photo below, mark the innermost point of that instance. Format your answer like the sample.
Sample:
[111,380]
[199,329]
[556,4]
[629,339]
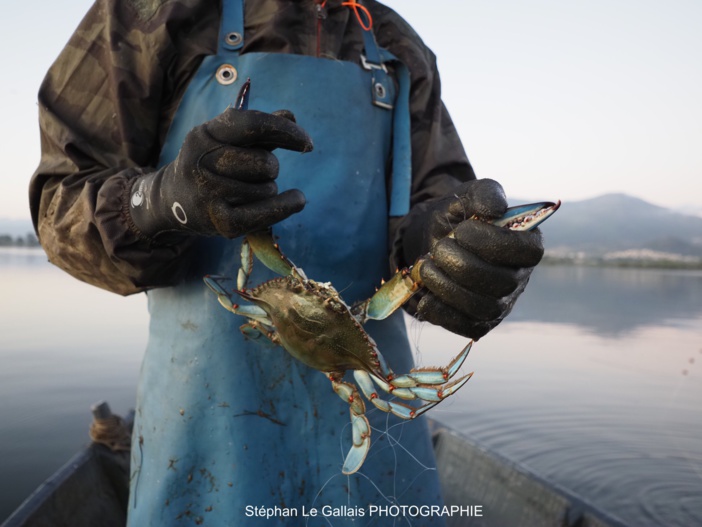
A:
[13,257]
[614,419]
[594,381]
[610,301]
[64,345]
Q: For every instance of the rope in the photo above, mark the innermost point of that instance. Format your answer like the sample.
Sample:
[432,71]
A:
[111,432]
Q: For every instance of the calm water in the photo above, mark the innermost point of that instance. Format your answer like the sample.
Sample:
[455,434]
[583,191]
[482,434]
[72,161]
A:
[594,382]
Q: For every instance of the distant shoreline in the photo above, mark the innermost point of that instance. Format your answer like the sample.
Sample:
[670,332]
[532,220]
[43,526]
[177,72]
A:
[28,240]
[623,263]
[547,260]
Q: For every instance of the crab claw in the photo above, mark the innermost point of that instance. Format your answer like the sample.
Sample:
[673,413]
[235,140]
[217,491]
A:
[406,282]
[527,217]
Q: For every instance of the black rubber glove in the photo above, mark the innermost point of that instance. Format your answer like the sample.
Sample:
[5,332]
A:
[473,280]
[223,180]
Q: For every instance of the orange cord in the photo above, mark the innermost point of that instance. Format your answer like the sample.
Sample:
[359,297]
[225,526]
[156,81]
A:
[358,8]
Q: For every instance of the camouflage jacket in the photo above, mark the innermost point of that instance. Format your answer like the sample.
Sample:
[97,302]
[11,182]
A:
[106,104]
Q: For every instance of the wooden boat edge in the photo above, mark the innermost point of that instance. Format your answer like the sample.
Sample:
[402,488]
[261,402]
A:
[93,484]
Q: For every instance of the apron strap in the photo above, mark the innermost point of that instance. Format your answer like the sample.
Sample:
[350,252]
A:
[231,29]
[382,87]
[401,183]
[231,38]
[383,93]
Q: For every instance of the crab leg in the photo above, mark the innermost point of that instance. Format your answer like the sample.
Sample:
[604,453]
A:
[264,247]
[428,384]
[360,427]
[423,392]
[246,266]
[406,282]
[432,376]
[432,399]
[391,295]
[361,444]
[256,330]
[249,311]
[431,396]
[417,376]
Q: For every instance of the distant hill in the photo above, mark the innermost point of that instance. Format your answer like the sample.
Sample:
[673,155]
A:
[612,227]
[618,226]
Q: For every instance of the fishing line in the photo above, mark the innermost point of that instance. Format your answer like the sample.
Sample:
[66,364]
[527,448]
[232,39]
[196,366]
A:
[391,492]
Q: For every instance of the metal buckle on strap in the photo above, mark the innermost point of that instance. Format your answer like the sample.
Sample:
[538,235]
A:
[371,65]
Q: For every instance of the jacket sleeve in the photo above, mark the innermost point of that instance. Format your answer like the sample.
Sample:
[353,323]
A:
[103,110]
[439,161]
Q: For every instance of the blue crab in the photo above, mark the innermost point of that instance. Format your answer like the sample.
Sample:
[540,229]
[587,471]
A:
[314,324]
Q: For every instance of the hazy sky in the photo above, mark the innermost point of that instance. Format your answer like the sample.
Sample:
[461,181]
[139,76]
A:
[554,98]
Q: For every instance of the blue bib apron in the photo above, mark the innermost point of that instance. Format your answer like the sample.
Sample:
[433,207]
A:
[229,431]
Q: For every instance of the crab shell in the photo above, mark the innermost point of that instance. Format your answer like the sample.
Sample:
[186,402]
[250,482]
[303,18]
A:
[315,325]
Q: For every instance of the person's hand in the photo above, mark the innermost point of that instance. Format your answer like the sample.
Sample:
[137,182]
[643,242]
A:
[223,180]
[473,278]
